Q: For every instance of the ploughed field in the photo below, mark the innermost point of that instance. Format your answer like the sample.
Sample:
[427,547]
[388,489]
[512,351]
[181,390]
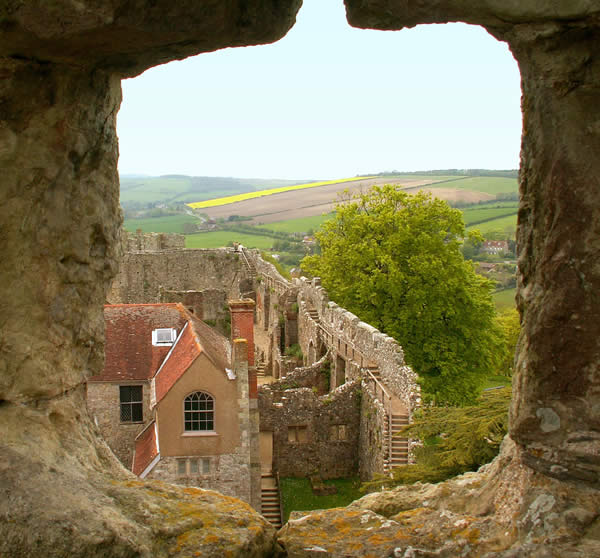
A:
[296,204]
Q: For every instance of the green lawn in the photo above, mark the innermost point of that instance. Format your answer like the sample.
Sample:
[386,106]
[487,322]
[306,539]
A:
[501,224]
[170,224]
[300,225]
[219,239]
[487,184]
[297,495]
[504,299]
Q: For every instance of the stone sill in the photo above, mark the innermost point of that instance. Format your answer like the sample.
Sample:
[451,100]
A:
[200,434]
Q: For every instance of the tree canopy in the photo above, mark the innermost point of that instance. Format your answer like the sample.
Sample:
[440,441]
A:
[394,260]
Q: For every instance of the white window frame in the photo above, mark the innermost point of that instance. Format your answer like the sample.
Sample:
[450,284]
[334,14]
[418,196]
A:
[170,334]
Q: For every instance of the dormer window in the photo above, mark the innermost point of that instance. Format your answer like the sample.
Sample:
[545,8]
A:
[164,336]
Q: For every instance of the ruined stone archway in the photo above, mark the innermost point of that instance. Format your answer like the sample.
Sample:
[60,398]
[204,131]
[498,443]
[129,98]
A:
[59,94]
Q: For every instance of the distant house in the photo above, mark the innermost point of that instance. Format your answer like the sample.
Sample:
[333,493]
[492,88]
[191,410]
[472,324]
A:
[174,399]
[495,246]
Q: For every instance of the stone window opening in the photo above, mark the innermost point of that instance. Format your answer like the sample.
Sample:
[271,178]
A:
[193,466]
[199,412]
[338,433]
[297,434]
[131,403]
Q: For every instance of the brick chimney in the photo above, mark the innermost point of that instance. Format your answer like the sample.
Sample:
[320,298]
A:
[242,324]
[242,327]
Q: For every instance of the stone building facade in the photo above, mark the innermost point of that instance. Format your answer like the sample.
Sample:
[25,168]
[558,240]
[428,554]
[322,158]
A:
[177,401]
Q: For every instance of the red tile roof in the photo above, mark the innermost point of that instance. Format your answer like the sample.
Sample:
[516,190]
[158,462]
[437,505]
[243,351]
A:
[195,339]
[129,353]
[184,352]
[146,449]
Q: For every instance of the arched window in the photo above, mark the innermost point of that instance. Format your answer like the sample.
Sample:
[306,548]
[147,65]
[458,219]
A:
[199,412]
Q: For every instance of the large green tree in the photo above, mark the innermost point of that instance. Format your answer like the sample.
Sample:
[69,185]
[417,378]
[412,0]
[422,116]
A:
[394,260]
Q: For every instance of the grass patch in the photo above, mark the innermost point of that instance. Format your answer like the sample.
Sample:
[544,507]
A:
[496,381]
[219,239]
[297,495]
[504,299]
[169,224]
[260,193]
[487,184]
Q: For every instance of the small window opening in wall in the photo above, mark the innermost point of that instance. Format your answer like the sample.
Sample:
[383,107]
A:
[297,434]
[193,466]
[130,398]
[337,432]
[164,336]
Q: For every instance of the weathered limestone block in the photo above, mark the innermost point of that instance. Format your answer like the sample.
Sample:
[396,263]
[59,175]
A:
[62,492]
[504,510]
[129,36]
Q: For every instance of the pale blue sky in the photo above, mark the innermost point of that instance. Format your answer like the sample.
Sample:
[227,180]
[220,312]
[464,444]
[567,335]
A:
[328,101]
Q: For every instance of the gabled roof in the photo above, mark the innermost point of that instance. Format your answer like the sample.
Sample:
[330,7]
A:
[195,339]
[129,353]
[146,449]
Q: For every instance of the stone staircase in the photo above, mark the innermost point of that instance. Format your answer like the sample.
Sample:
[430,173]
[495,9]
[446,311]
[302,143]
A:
[260,370]
[399,453]
[314,315]
[269,500]
[248,265]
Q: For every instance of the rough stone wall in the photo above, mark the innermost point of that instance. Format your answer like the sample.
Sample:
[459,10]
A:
[229,474]
[371,445]
[151,242]
[314,376]
[142,273]
[104,406]
[320,452]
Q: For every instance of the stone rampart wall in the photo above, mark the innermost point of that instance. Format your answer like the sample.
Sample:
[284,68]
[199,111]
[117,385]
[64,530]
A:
[358,343]
[142,273]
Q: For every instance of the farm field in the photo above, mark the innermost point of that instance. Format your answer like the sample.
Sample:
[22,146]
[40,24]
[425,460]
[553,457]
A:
[296,204]
[500,224]
[219,239]
[181,188]
[479,215]
[268,192]
[300,225]
[486,184]
[169,224]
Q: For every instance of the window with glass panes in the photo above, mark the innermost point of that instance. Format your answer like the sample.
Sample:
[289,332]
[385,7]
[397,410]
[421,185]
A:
[130,398]
[199,412]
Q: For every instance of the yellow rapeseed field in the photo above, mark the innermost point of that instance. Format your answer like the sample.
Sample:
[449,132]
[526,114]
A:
[260,193]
